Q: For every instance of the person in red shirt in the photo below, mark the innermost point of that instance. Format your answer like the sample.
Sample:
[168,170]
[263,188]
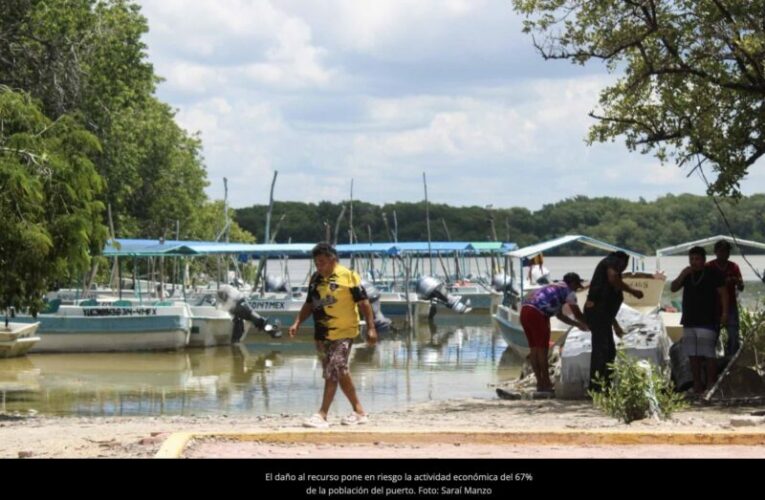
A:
[733,282]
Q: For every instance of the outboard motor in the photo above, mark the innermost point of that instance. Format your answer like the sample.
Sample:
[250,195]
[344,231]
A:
[373,294]
[501,282]
[232,300]
[276,284]
[430,288]
[504,283]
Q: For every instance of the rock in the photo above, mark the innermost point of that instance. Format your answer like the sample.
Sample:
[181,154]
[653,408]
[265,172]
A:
[511,395]
[25,454]
[151,440]
[747,421]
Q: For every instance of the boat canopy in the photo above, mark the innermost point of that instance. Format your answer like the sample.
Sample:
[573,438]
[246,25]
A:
[638,259]
[684,247]
[152,248]
[532,250]
[421,247]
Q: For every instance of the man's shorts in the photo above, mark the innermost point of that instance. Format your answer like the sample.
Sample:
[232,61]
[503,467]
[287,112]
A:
[699,342]
[536,326]
[334,357]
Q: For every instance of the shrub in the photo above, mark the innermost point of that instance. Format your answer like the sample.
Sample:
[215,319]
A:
[637,390]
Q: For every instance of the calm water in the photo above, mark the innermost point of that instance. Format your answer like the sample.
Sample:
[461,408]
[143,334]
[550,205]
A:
[459,357]
[264,376]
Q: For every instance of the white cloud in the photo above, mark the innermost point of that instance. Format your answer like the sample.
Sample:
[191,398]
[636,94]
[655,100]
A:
[381,91]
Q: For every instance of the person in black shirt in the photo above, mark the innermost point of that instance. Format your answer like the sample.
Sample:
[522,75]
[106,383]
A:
[703,287]
[603,302]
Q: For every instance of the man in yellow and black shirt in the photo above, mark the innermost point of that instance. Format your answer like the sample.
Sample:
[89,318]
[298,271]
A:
[334,297]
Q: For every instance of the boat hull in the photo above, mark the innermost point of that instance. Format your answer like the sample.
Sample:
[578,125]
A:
[112,329]
[17,339]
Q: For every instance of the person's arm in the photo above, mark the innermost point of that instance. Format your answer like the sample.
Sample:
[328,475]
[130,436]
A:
[723,293]
[579,317]
[366,310]
[677,284]
[618,329]
[740,281]
[305,311]
[578,322]
[615,279]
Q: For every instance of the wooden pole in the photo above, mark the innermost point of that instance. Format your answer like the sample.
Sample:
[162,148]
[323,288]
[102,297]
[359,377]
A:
[427,221]
[446,230]
[267,238]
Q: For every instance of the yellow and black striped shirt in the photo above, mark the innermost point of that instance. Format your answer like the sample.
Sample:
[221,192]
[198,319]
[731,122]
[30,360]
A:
[333,299]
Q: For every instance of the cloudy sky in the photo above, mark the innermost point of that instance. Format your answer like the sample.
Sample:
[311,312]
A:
[382,91]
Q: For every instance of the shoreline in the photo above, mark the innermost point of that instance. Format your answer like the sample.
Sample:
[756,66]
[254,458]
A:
[42,436]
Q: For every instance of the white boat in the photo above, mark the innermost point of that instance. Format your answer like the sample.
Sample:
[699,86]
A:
[112,326]
[507,317]
[17,338]
[481,298]
[672,318]
[282,306]
[394,304]
[210,326]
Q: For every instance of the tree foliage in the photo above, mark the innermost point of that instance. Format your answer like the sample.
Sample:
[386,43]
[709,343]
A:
[87,58]
[51,217]
[693,82]
[83,128]
[638,225]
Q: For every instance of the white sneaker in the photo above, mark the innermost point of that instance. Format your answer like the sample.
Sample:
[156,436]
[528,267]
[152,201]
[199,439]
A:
[316,421]
[355,419]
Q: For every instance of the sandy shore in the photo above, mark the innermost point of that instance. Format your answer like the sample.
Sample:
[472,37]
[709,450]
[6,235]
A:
[79,437]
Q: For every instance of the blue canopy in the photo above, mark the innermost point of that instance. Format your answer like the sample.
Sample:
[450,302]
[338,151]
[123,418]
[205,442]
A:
[150,248]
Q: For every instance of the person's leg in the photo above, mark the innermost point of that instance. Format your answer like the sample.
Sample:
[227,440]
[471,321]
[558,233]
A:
[600,331]
[610,354]
[330,388]
[734,339]
[711,365]
[531,323]
[692,348]
[534,360]
[337,369]
[698,387]
[346,384]
[326,351]
[544,371]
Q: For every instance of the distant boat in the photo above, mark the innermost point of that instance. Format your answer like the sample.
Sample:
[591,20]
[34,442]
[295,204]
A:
[115,326]
[672,318]
[507,317]
[17,338]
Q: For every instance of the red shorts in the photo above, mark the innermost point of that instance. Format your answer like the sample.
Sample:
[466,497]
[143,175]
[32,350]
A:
[536,326]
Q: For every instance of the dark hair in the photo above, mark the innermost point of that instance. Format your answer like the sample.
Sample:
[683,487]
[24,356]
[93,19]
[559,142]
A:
[572,278]
[722,245]
[621,255]
[698,251]
[323,248]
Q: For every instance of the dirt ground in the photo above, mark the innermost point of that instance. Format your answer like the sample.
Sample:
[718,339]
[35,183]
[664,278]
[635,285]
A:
[34,436]
[223,449]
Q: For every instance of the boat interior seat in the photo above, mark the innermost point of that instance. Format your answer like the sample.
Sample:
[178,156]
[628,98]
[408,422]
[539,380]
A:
[51,306]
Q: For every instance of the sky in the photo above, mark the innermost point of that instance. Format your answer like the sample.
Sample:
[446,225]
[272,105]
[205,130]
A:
[381,91]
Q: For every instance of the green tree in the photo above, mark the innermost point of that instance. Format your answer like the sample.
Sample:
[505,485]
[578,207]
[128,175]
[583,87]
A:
[86,58]
[51,218]
[693,75]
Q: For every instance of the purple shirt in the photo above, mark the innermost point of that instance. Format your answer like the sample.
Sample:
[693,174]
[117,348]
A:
[551,299]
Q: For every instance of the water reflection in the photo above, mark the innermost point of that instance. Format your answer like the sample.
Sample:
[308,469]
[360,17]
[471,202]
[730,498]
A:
[451,359]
